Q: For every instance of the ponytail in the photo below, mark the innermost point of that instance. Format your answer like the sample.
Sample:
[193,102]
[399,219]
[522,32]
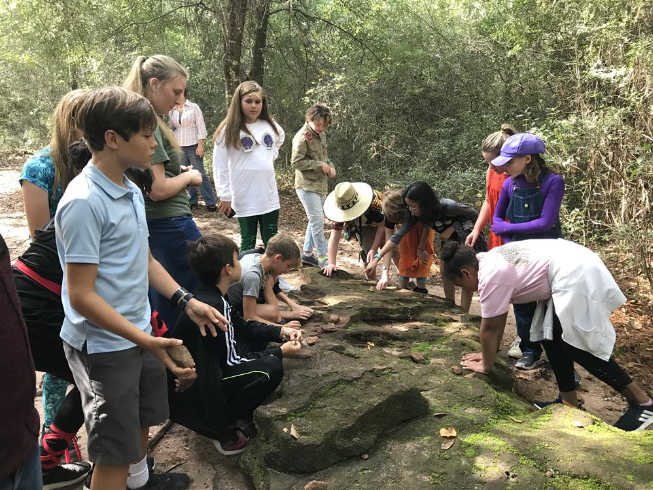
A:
[493,142]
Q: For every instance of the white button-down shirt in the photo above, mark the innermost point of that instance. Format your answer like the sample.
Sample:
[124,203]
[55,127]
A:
[188,127]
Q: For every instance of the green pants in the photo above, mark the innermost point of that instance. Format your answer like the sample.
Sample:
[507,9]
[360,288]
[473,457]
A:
[248,226]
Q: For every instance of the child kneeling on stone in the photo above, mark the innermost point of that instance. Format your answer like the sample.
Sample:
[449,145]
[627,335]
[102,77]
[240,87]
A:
[254,295]
[235,371]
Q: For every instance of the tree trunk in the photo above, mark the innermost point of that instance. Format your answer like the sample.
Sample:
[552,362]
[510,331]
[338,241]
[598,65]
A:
[233,45]
[260,42]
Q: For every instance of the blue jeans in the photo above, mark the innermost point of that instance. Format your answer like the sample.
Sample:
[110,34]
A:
[523,318]
[189,157]
[169,239]
[313,203]
[27,476]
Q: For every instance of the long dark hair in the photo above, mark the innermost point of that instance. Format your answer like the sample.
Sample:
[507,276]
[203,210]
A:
[425,196]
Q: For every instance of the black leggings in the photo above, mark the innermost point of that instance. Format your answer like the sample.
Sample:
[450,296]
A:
[562,357]
[43,313]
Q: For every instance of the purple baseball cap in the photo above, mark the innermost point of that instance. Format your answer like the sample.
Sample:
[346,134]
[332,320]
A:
[519,145]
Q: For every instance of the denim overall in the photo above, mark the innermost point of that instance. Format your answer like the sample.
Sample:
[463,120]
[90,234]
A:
[524,206]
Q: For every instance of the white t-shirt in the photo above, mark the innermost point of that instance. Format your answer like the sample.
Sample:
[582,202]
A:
[245,176]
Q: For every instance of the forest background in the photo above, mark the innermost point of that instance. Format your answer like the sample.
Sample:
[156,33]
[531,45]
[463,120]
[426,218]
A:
[415,86]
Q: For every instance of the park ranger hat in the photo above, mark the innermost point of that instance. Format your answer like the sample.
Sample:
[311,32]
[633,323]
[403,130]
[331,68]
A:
[519,145]
[348,201]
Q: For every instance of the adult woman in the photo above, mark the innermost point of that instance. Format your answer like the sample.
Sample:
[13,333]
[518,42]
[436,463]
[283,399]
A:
[575,295]
[162,81]
[187,124]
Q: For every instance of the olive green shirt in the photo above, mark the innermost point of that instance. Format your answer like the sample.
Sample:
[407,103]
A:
[176,205]
[309,152]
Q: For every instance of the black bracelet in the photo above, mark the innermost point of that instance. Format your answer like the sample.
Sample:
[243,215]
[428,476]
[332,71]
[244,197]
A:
[183,301]
[179,293]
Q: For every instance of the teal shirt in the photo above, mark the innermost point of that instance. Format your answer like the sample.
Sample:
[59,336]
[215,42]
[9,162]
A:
[39,170]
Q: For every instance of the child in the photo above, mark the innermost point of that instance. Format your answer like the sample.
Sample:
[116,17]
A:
[356,212]
[453,221]
[312,171]
[162,81]
[260,273]
[235,371]
[531,200]
[43,180]
[246,144]
[101,237]
[409,264]
[575,294]
[494,179]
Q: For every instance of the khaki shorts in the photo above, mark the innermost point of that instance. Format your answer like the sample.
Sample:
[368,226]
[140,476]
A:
[122,392]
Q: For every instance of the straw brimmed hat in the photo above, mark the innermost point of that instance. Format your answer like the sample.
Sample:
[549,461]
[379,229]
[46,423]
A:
[348,201]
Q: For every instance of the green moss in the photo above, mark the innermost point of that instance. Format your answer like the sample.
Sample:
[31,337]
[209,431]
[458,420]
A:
[435,478]
[470,452]
[641,456]
[563,482]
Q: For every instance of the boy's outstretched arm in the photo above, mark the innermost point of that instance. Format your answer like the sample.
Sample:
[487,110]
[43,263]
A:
[201,313]
[83,299]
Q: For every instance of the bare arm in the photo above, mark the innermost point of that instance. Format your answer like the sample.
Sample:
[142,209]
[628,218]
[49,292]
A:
[37,208]
[249,310]
[83,298]
[165,187]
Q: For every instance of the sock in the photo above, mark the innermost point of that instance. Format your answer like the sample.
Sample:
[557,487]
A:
[308,254]
[138,474]
[648,403]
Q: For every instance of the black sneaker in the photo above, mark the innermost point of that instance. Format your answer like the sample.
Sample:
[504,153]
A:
[636,418]
[65,475]
[151,464]
[309,260]
[420,290]
[542,404]
[528,361]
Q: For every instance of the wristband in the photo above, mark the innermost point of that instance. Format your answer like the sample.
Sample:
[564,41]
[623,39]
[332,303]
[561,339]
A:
[183,301]
[179,293]
[377,256]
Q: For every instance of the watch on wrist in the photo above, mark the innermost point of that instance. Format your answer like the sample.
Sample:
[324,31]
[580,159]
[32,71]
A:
[178,294]
[377,256]
[183,301]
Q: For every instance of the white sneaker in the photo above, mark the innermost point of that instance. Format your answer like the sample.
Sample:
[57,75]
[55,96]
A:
[515,351]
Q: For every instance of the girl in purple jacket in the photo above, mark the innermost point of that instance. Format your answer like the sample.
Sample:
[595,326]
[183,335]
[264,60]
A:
[530,200]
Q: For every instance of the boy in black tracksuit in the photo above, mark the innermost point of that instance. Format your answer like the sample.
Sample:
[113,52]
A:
[235,372]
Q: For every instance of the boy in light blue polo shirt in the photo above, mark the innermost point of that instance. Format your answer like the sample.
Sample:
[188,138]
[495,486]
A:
[103,249]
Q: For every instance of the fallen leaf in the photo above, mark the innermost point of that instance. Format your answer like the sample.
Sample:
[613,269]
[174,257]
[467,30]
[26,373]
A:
[549,474]
[439,414]
[515,420]
[293,432]
[371,344]
[391,288]
[449,432]
[371,289]
[470,375]
[285,429]
[447,444]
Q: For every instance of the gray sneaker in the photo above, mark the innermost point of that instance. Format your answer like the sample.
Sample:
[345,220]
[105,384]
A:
[309,261]
[514,351]
[528,361]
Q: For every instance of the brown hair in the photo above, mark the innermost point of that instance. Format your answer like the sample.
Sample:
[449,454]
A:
[394,206]
[163,68]
[63,135]
[493,142]
[235,122]
[319,111]
[535,168]
[113,108]
[209,255]
[285,246]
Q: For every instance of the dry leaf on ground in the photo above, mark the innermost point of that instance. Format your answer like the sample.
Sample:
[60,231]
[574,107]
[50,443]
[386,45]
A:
[293,432]
[447,444]
[449,432]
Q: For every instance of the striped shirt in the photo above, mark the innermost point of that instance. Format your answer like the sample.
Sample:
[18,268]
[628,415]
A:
[188,127]
[233,358]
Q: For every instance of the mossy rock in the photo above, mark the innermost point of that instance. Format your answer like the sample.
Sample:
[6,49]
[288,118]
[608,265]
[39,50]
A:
[358,392]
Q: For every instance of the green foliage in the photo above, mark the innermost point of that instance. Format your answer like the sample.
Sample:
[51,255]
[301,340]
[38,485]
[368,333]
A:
[415,86]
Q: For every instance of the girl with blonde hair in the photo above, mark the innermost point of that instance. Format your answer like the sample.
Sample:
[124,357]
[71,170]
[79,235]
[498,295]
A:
[246,144]
[162,81]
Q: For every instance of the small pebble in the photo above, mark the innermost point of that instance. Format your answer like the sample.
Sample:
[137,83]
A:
[457,370]
[365,456]
[334,318]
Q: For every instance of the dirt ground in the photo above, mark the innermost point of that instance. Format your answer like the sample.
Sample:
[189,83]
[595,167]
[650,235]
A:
[181,450]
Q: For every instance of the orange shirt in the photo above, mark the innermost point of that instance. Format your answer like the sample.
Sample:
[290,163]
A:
[493,184]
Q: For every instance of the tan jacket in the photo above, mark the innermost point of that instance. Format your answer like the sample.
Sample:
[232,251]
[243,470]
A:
[309,152]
